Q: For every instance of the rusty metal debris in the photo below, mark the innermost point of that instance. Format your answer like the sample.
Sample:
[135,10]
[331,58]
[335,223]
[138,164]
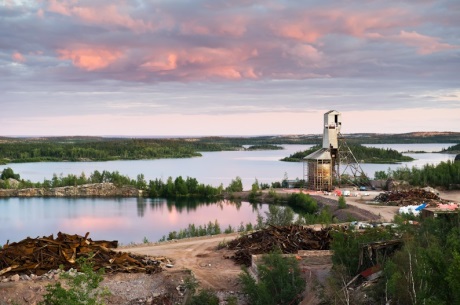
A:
[39,255]
[289,239]
[409,197]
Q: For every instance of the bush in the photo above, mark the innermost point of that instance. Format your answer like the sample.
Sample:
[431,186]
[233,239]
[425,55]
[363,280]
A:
[279,216]
[303,203]
[235,185]
[280,281]
[204,297]
[9,173]
[342,202]
[83,287]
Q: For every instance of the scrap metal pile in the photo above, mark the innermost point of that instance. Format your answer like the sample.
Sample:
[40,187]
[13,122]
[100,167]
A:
[289,239]
[40,255]
[410,197]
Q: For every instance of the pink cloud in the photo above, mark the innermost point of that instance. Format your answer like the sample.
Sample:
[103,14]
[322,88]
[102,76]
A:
[90,59]
[168,62]
[18,57]
[59,7]
[229,72]
[301,31]
[202,63]
[309,26]
[359,24]
[425,44]
[109,15]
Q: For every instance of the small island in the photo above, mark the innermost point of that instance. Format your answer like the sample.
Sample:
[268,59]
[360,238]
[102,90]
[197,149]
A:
[362,153]
[264,147]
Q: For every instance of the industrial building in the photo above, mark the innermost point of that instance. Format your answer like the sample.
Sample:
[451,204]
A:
[322,167]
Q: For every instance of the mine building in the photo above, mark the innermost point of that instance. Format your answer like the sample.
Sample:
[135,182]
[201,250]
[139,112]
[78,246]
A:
[320,166]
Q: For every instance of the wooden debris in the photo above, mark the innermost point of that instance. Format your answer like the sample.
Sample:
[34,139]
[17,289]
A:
[39,255]
[289,239]
[411,197]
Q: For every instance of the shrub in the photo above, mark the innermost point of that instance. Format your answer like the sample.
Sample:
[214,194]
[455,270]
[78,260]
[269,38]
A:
[235,185]
[303,203]
[279,216]
[83,287]
[205,296]
[342,203]
[9,173]
[280,281]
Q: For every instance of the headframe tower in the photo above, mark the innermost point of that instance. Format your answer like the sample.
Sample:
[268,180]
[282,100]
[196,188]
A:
[322,168]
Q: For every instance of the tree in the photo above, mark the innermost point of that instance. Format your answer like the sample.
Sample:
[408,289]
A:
[279,216]
[255,191]
[342,202]
[180,186]
[303,203]
[140,182]
[236,185]
[8,173]
[280,281]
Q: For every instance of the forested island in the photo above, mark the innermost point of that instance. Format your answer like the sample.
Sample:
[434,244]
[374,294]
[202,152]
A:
[362,153]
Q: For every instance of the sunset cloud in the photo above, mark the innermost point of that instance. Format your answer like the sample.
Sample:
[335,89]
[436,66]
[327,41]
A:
[221,57]
[110,15]
[425,44]
[90,59]
[18,57]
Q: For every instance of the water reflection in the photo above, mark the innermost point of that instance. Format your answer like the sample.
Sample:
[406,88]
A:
[126,219]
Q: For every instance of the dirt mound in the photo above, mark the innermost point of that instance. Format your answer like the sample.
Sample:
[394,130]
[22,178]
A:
[410,197]
[289,239]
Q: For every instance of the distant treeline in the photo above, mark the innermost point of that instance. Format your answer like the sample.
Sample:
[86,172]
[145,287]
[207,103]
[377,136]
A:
[445,174]
[102,149]
[455,148]
[362,154]
[44,150]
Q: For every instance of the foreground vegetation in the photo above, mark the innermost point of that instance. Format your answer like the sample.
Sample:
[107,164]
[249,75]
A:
[423,270]
[280,281]
[80,288]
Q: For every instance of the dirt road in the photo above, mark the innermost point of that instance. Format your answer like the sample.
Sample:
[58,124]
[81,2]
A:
[386,213]
[200,256]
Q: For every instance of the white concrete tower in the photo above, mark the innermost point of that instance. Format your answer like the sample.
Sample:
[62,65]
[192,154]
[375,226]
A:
[332,124]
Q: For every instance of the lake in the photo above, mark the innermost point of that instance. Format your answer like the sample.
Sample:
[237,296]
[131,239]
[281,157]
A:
[132,219]
[126,220]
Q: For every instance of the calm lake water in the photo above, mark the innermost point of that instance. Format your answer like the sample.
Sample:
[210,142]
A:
[126,220]
[131,219]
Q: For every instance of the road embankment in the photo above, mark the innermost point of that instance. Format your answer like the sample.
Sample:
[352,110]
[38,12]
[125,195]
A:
[87,190]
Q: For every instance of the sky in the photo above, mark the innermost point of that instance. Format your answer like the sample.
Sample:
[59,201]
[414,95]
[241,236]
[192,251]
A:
[227,67]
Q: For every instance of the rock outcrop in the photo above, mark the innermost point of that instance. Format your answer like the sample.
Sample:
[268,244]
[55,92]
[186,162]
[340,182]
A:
[87,190]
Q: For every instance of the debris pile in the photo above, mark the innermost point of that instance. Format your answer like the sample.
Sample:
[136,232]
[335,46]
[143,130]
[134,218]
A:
[410,197]
[39,255]
[289,239]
